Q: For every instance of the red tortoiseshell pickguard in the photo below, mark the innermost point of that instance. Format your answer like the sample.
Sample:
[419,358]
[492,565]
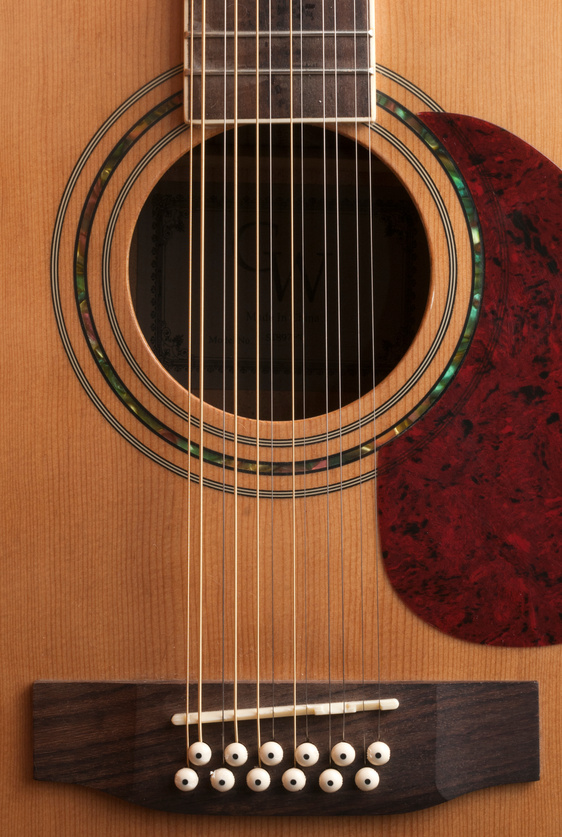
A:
[470,496]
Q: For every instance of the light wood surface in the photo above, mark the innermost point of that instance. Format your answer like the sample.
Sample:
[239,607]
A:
[94,534]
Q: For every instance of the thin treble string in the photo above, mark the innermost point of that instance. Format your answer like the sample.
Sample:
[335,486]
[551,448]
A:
[271,405]
[326,334]
[293,479]
[188,13]
[235,338]
[359,358]
[224,284]
[302,243]
[338,292]
[202,355]
[372,107]
[258,555]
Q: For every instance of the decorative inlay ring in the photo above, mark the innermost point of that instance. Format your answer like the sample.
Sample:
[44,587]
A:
[134,405]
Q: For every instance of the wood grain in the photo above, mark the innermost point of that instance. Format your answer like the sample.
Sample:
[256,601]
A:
[94,533]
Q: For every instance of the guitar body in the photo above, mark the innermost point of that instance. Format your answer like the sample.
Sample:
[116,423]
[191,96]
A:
[95,533]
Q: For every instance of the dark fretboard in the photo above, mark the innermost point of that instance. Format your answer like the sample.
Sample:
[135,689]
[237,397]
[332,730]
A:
[327,75]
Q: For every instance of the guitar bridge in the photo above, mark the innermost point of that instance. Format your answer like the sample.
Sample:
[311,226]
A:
[443,740]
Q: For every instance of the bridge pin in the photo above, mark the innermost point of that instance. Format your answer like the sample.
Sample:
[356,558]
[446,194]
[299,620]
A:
[378,753]
[366,779]
[307,754]
[293,779]
[235,754]
[343,753]
[330,780]
[199,753]
[271,752]
[222,779]
[258,779]
[186,779]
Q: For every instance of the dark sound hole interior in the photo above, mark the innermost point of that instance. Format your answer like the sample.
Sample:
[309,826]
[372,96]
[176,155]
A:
[359,267]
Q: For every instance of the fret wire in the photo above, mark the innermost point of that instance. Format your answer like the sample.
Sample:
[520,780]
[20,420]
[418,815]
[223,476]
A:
[343,120]
[282,71]
[274,33]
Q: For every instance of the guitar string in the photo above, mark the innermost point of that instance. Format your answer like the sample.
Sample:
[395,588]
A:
[202,266]
[359,363]
[224,293]
[293,389]
[359,356]
[325,243]
[188,11]
[372,113]
[258,388]
[202,197]
[303,349]
[271,358]
[339,341]
[235,340]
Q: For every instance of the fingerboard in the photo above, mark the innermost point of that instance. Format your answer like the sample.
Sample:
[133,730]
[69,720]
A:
[318,66]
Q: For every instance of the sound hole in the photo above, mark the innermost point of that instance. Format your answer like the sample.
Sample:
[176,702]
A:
[358,267]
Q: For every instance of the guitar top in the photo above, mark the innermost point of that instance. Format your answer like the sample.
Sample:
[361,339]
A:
[148,534]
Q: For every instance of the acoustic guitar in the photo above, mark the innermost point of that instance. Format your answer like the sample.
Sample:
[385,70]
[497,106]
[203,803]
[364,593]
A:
[281,431]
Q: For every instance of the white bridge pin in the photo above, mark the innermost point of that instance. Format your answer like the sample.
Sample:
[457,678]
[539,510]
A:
[258,779]
[343,753]
[378,753]
[199,753]
[222,779]
[271,752]
[366,779]
[235,754]
[293,779]
[186,779]
[330,780]
[307,754]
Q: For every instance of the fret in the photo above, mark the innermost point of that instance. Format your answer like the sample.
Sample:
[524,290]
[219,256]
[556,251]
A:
[316,54]
[303,33]
[307,120]
[351,16]
[284,71]
[319,96]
